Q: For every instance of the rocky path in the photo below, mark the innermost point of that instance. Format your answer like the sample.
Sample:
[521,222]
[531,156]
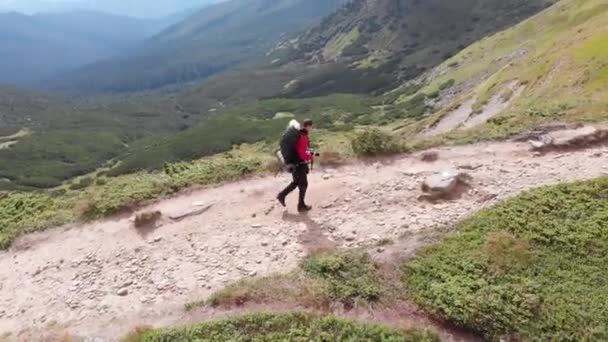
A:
[102,279]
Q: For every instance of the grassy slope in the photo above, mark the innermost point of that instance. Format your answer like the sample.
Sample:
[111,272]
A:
[283,327]
[532,267]
[564,70]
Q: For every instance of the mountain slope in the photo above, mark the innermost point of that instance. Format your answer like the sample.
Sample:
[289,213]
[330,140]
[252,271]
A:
[399,39]
[216,38]
[556,60]
[34,47]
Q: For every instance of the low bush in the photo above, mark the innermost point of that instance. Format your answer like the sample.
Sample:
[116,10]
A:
[81,184]
[373,142]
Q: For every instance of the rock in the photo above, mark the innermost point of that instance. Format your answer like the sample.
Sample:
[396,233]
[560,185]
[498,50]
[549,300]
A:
[326,176]
[127,283]
[253,273]
[256,225]
[443,184]
[123,292]
[469,166]
[567,138]
[264,243]
[189,212]
[158,238]
[429,156]
[538,144]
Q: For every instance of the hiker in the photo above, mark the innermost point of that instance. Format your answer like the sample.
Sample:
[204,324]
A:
[296,153]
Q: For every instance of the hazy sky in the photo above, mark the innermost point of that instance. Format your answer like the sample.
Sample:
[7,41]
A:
[137,8]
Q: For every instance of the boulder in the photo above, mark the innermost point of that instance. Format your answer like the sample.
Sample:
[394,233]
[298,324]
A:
[446,184]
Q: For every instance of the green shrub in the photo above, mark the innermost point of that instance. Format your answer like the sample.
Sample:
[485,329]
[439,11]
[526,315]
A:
[373,142]
[533,267]
[447,84]
[101,181]
[433,95]
[82,183]
[414,108]
[283,327]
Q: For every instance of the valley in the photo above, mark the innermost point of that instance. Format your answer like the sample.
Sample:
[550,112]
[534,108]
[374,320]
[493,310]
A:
[458,195]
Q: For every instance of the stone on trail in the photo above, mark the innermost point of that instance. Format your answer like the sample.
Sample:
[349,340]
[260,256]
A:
[180,215]
[445,184]
[123,292]
[429,156]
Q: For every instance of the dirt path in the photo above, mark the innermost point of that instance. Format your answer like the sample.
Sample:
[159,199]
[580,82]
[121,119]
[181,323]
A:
[70,277]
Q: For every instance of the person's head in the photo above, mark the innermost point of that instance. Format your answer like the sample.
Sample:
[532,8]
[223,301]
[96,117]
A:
[307,125]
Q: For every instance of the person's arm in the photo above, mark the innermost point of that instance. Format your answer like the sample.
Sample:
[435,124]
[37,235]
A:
[302,148]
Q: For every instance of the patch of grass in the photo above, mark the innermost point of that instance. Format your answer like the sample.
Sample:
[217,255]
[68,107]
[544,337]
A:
[347,278]
[285,327]
[279,288]
[138,333]
[532,267]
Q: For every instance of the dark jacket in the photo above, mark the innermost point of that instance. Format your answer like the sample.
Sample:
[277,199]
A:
[294,145]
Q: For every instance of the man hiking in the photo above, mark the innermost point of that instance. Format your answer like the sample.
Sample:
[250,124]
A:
[295,150]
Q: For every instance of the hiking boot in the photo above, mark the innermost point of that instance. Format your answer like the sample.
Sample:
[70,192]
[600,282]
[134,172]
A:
[304,208]
[281,200]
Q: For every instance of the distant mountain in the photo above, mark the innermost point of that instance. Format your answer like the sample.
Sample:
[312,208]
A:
[132,8]
[214,39]
[35,47]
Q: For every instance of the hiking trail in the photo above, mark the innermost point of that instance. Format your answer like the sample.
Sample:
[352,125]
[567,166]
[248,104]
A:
[102,279]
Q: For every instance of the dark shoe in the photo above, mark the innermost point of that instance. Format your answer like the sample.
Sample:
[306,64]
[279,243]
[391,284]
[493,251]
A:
[281,200]
[304,208]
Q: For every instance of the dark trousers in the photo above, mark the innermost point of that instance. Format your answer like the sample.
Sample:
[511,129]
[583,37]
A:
[300,181]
